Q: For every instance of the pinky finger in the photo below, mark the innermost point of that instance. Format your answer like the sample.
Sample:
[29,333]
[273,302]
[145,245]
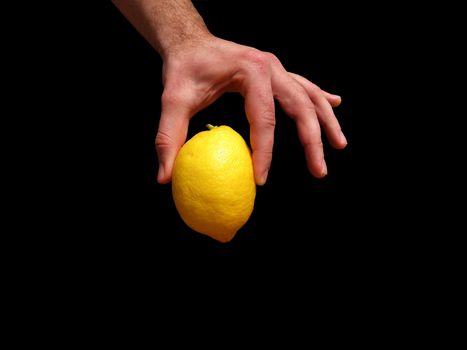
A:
[334,100]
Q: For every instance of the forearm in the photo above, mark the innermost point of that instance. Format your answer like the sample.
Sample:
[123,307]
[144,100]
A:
[166,24]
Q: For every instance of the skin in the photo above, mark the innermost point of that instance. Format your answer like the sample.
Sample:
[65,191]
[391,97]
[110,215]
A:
[199,67]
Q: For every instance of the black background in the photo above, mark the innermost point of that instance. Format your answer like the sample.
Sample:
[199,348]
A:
[296,215]
[345,222]
[95,230]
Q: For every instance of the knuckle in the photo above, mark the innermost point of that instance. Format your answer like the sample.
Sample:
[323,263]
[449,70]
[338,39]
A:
[269,122]
[264,123]
[163,139]
[272,58]
[258,59]
[310,136]
[301,97]
[315,89]
[313,144]
[302,107]
[170,97]
[266,119]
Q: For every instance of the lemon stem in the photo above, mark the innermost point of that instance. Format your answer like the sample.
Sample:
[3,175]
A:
[210,126]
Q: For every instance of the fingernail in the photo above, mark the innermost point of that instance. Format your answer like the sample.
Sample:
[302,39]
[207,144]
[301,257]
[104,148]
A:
[325,168]
[343,139]
[263,178]
[161,173]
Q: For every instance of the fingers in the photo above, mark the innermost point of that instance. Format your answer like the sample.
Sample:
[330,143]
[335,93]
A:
[259,107]
[309,134]
[296,103]
[172,133]
[324,111]
[334,100]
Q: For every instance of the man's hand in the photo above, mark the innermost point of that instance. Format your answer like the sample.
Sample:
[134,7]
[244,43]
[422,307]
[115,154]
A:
[196,75]
[199,67]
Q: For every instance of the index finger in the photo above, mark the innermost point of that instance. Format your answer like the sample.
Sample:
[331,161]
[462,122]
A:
[259,107]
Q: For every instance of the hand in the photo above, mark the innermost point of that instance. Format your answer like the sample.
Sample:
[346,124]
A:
[195,75]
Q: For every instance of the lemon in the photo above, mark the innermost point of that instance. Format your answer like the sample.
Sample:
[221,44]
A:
[213,185]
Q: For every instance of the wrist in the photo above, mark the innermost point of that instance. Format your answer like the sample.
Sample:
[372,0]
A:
[182,41]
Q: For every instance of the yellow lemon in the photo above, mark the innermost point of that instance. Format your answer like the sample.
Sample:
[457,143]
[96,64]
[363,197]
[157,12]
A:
[213,185]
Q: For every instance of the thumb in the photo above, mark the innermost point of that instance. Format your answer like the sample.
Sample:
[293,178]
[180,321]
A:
[172,133]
